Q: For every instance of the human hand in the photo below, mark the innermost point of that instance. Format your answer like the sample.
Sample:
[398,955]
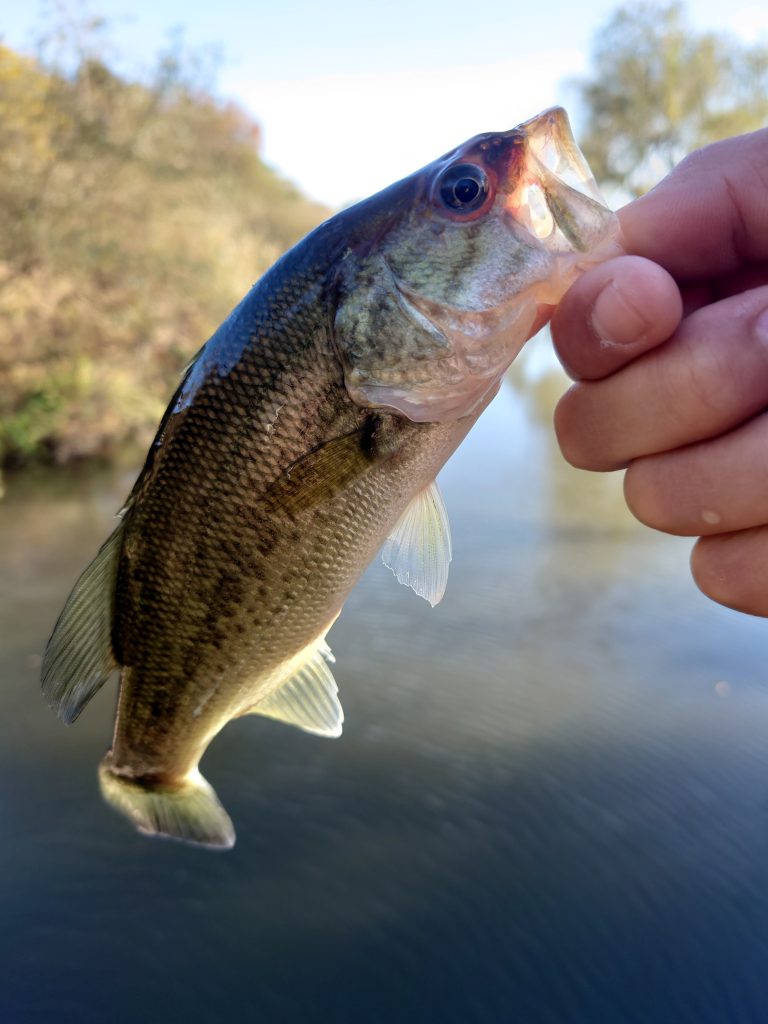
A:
[669,346]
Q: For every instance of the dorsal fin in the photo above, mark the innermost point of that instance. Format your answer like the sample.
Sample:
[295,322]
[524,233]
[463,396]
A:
[79,656]
[418,550]
[308,698]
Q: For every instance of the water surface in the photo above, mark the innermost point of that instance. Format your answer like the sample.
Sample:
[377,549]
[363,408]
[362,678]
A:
[550,802]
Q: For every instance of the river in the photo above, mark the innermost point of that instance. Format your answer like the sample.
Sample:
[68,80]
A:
[549,804]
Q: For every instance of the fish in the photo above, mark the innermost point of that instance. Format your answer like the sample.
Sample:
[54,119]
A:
[305,436]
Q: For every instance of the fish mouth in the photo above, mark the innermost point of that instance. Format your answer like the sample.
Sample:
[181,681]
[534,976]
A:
[551,144]
[553,193]
[541,221]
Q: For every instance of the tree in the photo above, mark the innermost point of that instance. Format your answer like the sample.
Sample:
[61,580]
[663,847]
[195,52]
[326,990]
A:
[134,214]
[661,90]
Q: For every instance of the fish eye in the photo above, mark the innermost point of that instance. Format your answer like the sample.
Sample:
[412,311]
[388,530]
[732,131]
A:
[463,187]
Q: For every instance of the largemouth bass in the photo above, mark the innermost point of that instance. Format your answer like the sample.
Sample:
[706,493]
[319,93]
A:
[308,432]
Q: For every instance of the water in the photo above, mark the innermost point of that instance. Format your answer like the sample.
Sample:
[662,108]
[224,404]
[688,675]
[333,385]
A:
[550,802]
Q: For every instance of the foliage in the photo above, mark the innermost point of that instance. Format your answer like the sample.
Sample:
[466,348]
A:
[660,90]
[134,216]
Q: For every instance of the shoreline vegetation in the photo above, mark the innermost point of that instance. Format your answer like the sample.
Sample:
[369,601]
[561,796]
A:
[136,210]
[135,215]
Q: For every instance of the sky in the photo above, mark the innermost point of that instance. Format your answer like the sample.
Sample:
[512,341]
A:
[352,95]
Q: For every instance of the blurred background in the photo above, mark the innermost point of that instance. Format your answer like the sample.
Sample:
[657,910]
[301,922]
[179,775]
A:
[550,803]
[155,159]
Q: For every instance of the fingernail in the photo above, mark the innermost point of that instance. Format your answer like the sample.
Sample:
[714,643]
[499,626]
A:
[615,320]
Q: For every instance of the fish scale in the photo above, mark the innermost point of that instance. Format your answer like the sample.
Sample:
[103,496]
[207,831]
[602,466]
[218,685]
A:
[307,431]
[193,611]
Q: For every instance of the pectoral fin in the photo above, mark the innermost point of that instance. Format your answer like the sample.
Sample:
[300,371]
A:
[308,699]
[323,472]
[418,551]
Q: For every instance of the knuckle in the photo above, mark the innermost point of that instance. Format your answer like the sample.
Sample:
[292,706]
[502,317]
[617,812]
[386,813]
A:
[713,572]
[704,568]
[723,568]
[657,490]
[712,378]
[643,497]
[707,378]
[581,443]
[569,429]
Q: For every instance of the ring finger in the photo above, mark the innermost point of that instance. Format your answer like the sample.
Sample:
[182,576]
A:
[716,486]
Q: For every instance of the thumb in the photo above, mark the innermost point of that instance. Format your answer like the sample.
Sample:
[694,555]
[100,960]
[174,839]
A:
[613,314]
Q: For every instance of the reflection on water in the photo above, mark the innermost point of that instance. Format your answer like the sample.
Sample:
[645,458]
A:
[550,803]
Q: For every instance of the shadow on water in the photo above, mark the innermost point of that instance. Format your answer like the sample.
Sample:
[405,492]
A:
[550,803]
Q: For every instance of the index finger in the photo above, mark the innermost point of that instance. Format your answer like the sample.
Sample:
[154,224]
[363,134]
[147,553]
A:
[709,216]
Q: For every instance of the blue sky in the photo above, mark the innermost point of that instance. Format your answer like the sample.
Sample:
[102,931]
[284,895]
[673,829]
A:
[352,96]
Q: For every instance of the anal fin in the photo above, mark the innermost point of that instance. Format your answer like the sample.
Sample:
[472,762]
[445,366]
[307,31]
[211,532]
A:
[308,699]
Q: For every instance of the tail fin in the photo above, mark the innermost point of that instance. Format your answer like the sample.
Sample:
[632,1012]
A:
[188,810]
